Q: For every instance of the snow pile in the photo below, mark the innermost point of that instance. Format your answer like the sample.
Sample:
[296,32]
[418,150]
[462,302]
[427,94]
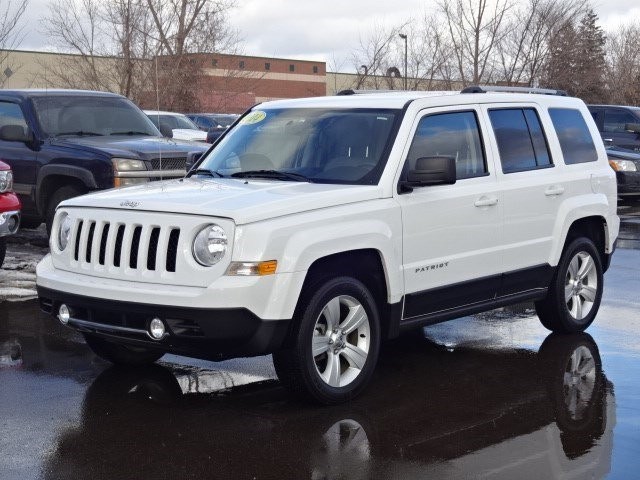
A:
[18,273]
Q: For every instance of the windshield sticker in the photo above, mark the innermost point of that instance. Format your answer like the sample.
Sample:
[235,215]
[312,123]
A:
[253,117]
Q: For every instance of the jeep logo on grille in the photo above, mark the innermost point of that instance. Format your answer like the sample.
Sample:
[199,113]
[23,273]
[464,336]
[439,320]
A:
[129,203]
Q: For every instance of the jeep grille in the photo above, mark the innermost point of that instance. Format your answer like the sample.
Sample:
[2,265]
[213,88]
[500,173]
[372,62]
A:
[134,246]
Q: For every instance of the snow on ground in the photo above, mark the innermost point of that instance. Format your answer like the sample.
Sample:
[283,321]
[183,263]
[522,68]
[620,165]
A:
[18,272]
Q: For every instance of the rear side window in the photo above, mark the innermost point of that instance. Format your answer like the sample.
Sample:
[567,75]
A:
[615,121]
[520,139]
[574,136]
[454,134]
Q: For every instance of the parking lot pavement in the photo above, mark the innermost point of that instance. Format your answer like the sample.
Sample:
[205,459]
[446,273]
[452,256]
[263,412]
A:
[486,396]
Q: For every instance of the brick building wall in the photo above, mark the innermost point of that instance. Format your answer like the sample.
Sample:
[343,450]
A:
[232,83]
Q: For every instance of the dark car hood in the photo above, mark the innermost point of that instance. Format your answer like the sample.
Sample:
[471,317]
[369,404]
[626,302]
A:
[143,147]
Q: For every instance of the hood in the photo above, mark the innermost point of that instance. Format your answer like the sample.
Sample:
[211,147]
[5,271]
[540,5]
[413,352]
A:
[188,134]
[623,154]
[243,200]
[142,147]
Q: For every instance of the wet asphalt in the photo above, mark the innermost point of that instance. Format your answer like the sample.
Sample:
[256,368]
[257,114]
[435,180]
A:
[488,396]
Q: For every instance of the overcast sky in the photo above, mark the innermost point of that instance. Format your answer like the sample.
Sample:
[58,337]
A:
[327,30]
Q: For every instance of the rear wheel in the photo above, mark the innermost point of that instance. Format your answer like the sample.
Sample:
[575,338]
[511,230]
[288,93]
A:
[121,354]
[576,289]
[335,343]
[60,195]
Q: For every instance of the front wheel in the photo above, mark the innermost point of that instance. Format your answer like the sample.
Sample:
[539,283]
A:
[576,289]
[63,193]
[121,354]
[335,342]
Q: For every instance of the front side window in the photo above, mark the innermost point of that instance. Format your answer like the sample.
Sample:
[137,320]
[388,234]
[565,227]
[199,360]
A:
[574,136]
[615,121]
[521,141]
[455,135]
[320,145]
[86,115]
[11,114]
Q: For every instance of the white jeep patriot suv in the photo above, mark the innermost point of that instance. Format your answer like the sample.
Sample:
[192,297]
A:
[316,228]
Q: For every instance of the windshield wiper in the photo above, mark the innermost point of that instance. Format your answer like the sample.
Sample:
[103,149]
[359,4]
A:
[81,133]
[296,177]
[131,132]
[205,171]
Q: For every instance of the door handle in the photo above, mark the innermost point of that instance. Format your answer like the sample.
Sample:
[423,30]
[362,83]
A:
[554,190]
[485,201]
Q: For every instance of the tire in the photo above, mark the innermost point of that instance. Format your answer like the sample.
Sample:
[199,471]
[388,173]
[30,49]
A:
[60,195]
[121,354]
[3,250]
[575,291]
[346,354]
[30,223]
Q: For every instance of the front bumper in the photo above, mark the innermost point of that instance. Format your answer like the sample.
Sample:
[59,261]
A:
[628,183]
[210,334]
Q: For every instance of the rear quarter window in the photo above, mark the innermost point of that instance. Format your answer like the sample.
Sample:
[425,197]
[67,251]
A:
[574,136]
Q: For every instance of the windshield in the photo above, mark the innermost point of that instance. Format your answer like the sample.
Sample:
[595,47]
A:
[86,115]
[327,146]
[173,121]
[225,120]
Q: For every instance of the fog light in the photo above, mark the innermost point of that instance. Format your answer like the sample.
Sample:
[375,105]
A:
[64,314]
[156,329]
[13,223]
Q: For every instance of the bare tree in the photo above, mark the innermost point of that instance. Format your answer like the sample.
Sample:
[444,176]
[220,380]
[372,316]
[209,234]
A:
[475,27]
[76,26]
[623,65]
[376,56]
[11,34]
[525,47]
[429,55]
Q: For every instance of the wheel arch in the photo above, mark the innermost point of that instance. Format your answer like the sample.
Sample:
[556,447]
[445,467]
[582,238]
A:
[366,265]
[593,227]
[53,177]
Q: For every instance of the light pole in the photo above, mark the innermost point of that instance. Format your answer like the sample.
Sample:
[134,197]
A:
[404,37]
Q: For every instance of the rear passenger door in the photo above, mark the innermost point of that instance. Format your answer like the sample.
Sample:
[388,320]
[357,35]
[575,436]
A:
[532,189]
[450,232]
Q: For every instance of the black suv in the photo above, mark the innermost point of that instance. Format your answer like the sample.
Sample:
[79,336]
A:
[618,125]
[64,143]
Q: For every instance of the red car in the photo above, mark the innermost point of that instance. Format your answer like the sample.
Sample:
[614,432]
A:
[9,208]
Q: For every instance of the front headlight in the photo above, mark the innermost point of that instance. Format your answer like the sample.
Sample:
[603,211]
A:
[210,245]
[128,165]
[64,231]
[622,165]
[6,181]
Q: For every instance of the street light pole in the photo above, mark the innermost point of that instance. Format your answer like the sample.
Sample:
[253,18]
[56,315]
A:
[404,37]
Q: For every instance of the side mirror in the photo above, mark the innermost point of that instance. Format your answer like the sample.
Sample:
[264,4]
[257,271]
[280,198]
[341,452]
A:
[15,133]
[440,170]
[166,130]
[632,127]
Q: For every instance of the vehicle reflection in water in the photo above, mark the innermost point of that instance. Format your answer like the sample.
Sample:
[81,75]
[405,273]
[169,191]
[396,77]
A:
[430,411]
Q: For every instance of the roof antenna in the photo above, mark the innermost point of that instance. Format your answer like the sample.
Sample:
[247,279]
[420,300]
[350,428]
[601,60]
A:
[158,115]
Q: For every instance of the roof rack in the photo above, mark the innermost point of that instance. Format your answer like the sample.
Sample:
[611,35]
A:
[364,92]
[491,88]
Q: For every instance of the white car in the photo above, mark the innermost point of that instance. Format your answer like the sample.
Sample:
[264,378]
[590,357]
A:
[182,127]
[317,228]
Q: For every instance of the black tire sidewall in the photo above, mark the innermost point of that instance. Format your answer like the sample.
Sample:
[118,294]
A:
[3,250]
[566,321]
[310,313]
